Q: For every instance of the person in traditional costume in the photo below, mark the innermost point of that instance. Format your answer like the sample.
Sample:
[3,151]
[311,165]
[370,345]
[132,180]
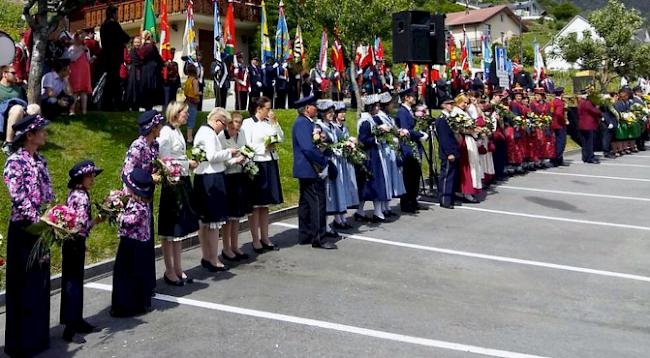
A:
[558,125]
[132,285]
[623,106]
[449,155]
[471,173]
[374,188]
[346,170]
[545,141]
[238,184]
[73,254]
[475,111]
[143,154]
[500,153]
[609,124]
[28,181]
[310,167]
[515,135]
[588,119]
[209,195]
[176,218]
[392,156]
[263,133]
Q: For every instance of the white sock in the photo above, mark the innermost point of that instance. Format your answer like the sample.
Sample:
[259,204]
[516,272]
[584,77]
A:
[378,206]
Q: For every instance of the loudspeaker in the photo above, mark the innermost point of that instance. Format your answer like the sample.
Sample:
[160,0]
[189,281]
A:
[411,37]
[438,40]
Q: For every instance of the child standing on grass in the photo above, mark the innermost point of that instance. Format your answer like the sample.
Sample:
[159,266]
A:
[132,285]
[192,98]
[82,178]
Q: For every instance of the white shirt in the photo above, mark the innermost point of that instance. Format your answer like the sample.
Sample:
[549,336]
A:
[256,134]
[52,81]
[172,144]
[217,156]
[237,141]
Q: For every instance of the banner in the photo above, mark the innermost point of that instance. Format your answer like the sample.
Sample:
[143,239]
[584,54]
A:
[501,58]
[218,38]
[150,19]
[298,49]
[266,53]
[322,58]
[229,31]
[282,37]
[189,36]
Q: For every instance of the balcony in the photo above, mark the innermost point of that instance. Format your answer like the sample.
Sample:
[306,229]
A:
[132,10]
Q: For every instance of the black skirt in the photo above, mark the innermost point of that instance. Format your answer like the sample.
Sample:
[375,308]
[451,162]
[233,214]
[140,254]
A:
[28,295]
[209,198]
[72,280]
[131,278]
[176,218]
[266,189]
[238,203]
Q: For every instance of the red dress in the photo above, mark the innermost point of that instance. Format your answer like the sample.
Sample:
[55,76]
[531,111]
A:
[543,138]
[466,185]
[80,75]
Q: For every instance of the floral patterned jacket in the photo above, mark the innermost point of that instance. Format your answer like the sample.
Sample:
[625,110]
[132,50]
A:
[141,155]
[29,184]
[134,222]
[79,201]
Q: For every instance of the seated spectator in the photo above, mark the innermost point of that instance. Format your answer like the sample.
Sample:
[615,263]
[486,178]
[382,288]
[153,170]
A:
[56,95]
[12,104]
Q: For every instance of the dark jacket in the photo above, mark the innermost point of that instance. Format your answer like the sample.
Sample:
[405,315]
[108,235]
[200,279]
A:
[307,158]
[405,120]
[447,143]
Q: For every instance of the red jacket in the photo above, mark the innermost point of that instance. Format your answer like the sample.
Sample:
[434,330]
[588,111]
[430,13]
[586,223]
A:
[588,115]
[519,109]
[540,107]
[557,111]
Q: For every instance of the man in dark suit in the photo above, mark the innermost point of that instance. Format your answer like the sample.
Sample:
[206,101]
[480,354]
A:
[411,168]
[255,76]
[269,72]
[310,168]
[449,154]
[281,86]
[113,39]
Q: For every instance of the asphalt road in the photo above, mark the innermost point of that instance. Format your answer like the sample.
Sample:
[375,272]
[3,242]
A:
[552,264]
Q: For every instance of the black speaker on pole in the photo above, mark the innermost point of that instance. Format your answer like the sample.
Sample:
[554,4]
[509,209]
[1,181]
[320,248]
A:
[412,37]
[438,40]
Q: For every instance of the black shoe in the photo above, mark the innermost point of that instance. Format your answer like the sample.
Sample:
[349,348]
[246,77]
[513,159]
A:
[212,268]
[332,234]
[226,257]
[336,225]
[85,327]
[177,283]
[242,257]
[268,247]
[187,279]
[407,210]
[307,242]
[389,214]
[71,336]
[471,199]
[326,246]
[377,220]
[447,206]
[361,218]
[421,207]
[259,251]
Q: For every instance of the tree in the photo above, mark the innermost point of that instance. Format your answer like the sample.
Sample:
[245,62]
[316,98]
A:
[565,11]
[514,50]
[614,53]
[43,17]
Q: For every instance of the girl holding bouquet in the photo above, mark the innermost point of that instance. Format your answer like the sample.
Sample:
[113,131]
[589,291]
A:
[132,285]
[210,188]
[346,170]
[394,178]
[238,185]
[143,154]
[471,173]
[82,179]
[28,287]
[176,218]
[263,132]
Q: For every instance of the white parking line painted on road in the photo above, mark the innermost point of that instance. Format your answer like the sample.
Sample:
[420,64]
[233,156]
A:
[552,218]
[593,176]
[491,257]
[604,196]
[332,326]
[607,164]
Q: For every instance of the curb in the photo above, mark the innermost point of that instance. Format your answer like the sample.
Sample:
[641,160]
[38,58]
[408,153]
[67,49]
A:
[105,268]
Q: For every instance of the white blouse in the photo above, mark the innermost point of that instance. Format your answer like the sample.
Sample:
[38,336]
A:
[172,144]
[217,156]
[238,141]
[256,133]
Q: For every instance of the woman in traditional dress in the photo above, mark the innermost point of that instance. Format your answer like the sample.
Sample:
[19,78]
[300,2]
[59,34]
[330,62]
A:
[82,179]
[27,331]
[176,218]
[346,170]
[210,187]
[238,185]
[143,154]
[133,63]
[374,188]
[150,92]
[515,134]
[263,133]
[393,175]
[132,285]
[470,169]
[80,71]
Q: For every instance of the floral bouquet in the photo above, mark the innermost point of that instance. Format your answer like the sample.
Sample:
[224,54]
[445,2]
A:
[640,111]
[545,121]
[422,118]
[198,155]
[112,206]
[57,225]
[461,122]
[271,140]
[319,138]
[351,151]
[504,112]
[386,135]
[250,168]
[170,170]
[247,151]
[518,121]
[628,117]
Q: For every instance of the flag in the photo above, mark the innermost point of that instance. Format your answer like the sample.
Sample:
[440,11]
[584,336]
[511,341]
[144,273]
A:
[265,42]
[150,19]
[337,56]
[165,45]
[468,46]
[487,56]
[298,49]
[379,52]
[229,31]
[464,56]
[218,38]
[322,58]
[538,62]
[282,37]
[189,36]
[451,50]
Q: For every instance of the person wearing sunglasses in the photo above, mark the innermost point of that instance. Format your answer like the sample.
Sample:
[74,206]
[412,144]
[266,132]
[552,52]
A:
[12,104]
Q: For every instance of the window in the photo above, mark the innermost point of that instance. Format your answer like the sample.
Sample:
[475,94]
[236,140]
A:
[501,17]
